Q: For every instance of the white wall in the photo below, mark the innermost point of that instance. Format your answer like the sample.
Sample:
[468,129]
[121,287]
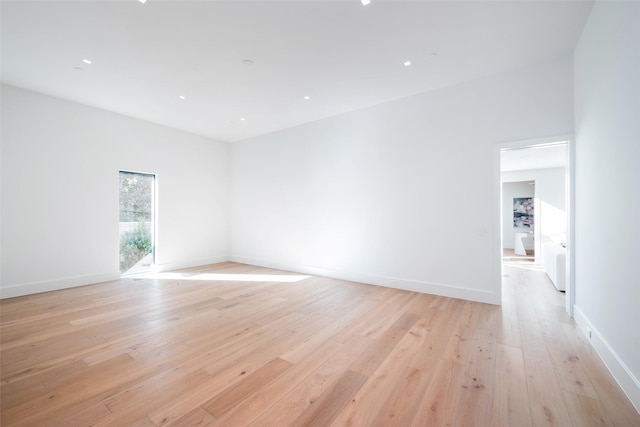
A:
[550,221]
[607,112]
[399,194]
[60,164]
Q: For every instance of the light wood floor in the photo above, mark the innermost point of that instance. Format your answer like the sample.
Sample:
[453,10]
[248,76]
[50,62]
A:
[190,351]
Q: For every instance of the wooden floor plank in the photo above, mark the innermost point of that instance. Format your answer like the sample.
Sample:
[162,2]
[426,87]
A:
[261,400]
[227,399]
[438,403]
[143,403]
[510,396]
[585,411]
[85,417]
[331,402]
[200,349]
[613,402]
[399,408]
[294,401]
[198,417]
[376,391]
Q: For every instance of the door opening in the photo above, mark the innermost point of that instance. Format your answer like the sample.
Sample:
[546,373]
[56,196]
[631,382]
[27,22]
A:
[137,222]
[518,221]
[546,167]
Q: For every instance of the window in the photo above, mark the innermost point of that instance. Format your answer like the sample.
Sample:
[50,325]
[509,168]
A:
[136,222]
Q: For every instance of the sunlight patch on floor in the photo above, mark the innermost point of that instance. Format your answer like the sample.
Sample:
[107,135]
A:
[288,278]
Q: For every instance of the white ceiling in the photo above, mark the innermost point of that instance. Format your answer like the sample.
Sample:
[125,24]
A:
[343,55]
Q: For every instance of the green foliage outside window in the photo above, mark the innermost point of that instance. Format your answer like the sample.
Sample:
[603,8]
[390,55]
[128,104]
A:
[134,245]
[135,197]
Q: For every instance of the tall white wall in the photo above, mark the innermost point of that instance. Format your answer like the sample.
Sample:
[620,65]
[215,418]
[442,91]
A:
[607,125]
[60,164]
[550,221]
[400,194]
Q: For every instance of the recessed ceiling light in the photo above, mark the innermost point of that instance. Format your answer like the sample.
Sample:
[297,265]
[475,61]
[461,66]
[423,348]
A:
[242,119]
[142,1]
[86,61]
[407,63]
[365,2]
[307,97]
[182,97]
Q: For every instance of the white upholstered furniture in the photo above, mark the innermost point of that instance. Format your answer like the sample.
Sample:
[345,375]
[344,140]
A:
[554,259]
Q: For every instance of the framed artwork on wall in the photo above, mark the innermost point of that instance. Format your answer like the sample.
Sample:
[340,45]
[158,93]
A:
[523,212]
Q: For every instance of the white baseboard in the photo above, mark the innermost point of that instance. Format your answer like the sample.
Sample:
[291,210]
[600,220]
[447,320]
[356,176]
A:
[620,371]
[54,285]
[390,282]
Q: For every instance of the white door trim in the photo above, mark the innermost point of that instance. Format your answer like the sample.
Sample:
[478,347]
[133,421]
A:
[497,204]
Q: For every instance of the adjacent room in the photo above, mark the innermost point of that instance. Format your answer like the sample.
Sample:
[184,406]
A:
[328,213]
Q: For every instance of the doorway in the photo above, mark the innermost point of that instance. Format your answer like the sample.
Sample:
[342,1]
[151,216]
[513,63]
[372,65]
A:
[518,221]
[537,173]
[137,222]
